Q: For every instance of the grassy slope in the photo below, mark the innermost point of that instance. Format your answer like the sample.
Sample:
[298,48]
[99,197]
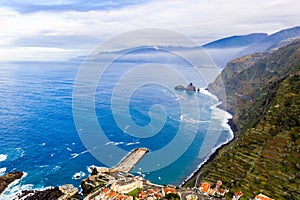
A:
[264,157]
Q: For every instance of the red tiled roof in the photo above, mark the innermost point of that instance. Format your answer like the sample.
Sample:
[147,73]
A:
[142,194]
[221,191]
[111,194]
[169,190]
[157,195]
[211,191]
[239,193]
[105,190]
[205,187]
[151,192]
[262,197]
[155,189]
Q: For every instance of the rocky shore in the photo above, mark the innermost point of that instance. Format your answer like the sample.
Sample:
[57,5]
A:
[51,193]
[8,179]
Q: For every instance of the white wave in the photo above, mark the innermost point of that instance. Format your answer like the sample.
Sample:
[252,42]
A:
[206,92]
[14,188]
[15,154]
[125,129]
[114,143]
[74,155]
[217,114]
[43,144]
[73,143]
[3,157]
[185,118]
[178,98]
[182,117]
[132,143]
[90,168]
[52,154]
[43,166]
[2,171]
[69,149]
[78,175]
[21,152]
[57,167]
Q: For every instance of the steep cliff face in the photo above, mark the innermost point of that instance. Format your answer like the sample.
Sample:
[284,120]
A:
[224,85]
[264,95]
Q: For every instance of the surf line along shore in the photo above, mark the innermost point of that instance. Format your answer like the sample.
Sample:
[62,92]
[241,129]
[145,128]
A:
[210,157]
[215,151]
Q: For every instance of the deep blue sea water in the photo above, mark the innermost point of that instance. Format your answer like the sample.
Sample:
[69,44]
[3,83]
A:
[38,134]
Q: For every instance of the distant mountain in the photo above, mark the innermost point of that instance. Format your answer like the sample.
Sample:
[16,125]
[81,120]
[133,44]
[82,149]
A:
[226,49]
[237,41]
[275,40]
[263,93]
[221,51]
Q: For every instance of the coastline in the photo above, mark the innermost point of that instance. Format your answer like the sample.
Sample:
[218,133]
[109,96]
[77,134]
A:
[214,152]
[13,180]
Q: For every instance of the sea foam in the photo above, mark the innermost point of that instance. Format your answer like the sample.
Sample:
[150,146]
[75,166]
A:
[3,157]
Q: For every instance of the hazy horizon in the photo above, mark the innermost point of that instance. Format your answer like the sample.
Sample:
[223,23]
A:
[62,29]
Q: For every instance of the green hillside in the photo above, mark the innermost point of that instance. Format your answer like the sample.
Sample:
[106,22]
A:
[265,154]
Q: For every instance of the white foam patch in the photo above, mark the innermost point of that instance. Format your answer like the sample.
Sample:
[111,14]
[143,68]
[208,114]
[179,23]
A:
[43,144]
[74,155]
[206,92]
[90,168]
[43,166]
[2,171]
[3,157]
[14,188]
[57,167]
[78,175]
[69,149]
[132,143]
[114,143]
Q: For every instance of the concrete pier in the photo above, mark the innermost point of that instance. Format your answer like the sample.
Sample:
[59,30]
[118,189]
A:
[130,160]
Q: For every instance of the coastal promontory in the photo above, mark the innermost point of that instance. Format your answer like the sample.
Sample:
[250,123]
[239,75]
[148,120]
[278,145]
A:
[8,179]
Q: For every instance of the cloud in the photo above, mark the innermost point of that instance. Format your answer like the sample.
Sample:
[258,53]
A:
[76,27]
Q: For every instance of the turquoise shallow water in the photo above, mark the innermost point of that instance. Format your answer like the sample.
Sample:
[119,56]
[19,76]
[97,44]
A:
[38,134]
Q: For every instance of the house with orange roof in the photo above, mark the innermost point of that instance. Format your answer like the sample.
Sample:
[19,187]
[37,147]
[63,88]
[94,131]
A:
[168,190]
[157,196]
[221,191]
[205,187]
[237,195]
[111,195]
[262,197]
[150,192]
[156,190]
[211,192]
[105,191]
[142,195]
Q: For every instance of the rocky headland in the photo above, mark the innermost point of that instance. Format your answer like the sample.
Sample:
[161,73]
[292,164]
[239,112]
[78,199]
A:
[9,178]
[262,92]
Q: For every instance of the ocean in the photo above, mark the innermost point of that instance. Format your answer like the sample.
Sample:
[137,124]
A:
[40,133]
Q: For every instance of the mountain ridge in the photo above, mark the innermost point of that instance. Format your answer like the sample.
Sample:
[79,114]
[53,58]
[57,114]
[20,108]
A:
[264,98]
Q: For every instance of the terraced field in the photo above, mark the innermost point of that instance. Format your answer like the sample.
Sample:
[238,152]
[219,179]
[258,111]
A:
[265,154]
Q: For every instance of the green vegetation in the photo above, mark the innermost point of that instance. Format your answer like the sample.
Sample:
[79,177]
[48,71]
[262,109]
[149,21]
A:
[265,154]
[134,192]
[172,196]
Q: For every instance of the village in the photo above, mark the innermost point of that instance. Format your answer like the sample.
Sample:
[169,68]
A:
[118,184]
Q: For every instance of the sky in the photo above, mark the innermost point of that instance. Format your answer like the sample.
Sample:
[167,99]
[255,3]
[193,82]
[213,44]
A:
[56,30]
